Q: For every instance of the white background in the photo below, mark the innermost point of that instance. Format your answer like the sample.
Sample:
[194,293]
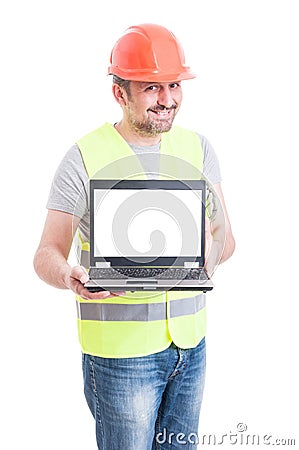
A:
[54,89]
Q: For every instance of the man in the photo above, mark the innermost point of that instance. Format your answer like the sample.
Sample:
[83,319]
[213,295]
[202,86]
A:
[143,378]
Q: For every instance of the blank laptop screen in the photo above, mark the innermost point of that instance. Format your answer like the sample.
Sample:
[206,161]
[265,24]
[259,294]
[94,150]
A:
[147,222]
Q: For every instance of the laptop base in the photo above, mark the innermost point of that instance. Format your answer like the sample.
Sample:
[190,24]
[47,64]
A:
[145,285]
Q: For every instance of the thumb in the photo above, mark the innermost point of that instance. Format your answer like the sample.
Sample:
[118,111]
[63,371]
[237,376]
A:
[80,273]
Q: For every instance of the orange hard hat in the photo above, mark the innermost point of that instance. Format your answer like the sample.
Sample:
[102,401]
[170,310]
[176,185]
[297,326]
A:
[149,52]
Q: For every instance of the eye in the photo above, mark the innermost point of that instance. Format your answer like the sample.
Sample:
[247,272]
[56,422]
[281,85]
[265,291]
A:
[152,87]
[174,85]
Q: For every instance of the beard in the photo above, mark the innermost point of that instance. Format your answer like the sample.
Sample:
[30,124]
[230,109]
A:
[152,126]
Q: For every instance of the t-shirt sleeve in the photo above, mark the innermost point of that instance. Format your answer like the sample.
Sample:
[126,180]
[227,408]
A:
[69,190]
[211,168]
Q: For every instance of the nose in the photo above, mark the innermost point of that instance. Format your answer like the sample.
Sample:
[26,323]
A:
[165,97]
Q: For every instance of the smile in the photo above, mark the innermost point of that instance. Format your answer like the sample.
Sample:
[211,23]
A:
[162,113]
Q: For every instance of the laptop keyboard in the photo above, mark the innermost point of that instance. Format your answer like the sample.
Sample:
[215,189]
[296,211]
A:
[172,273]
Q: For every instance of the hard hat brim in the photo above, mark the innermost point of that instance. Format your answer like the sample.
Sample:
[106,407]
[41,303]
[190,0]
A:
[150,76]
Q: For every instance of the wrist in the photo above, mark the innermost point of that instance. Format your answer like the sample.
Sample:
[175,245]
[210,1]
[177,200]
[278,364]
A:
[65,276]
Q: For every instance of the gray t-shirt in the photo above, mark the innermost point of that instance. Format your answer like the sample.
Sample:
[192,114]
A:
[69,190]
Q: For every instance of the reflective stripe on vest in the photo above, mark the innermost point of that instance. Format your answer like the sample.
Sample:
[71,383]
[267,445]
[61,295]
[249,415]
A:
[139,312]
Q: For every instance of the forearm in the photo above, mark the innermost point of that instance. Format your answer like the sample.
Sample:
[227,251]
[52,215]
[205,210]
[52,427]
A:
[52,267]
[214,257]
[222,246]
[218,233]
[228,246]
[50,260]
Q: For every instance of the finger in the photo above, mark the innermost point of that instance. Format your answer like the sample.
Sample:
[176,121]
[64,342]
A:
[84,293]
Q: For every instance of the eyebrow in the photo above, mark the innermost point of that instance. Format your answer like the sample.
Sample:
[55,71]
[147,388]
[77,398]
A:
[144,84]
[148,83]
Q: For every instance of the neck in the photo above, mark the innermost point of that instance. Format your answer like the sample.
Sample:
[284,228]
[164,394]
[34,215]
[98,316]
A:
[133,137]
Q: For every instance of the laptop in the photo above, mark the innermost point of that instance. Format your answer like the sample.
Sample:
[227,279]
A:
[147,235]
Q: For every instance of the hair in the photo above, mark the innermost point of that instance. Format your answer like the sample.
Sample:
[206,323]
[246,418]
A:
[123,83]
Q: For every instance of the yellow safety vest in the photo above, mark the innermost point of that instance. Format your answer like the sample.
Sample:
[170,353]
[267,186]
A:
[140,323]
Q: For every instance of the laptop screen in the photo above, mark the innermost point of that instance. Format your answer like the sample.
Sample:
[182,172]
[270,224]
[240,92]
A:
[147,221]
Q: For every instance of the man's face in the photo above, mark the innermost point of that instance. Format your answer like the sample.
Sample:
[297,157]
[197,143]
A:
[151,107]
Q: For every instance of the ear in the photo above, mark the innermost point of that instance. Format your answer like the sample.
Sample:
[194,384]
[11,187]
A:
[119,94]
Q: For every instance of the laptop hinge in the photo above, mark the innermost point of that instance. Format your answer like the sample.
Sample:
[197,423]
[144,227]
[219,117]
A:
[191,264]
[103,264]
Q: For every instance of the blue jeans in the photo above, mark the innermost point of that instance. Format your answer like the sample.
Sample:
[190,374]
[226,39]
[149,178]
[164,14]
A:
[146,403]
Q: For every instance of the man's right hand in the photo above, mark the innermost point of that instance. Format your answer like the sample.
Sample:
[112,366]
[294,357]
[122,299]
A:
[75,280]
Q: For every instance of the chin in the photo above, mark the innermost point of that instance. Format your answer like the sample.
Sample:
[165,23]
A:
[163,127]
